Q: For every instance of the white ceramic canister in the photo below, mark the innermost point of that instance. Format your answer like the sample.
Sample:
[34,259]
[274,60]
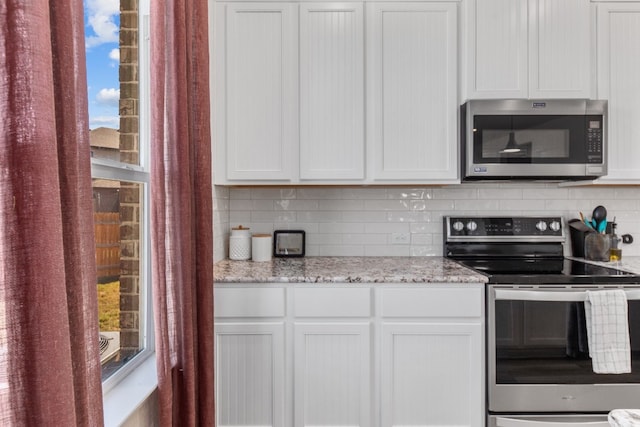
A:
[240,243]
[261,247]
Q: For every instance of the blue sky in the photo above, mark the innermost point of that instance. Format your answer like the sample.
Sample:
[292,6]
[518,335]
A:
[102,21]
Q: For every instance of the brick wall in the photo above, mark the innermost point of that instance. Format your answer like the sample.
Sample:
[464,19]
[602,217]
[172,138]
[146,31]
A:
[129,193]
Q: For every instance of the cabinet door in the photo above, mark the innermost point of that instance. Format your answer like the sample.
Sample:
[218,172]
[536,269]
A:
[332,374]
[560,48]
[249,374]
[618,35]
[412,69]
[260,78]
[331,91]
[431,375]
[498,62]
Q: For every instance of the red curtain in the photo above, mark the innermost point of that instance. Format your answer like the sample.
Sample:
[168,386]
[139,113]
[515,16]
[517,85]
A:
[49,356]
[181,192]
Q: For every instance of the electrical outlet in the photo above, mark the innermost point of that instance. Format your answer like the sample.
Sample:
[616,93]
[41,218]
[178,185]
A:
[400,238]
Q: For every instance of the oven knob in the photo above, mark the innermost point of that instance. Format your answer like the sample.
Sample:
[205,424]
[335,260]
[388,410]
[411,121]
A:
[555,225]
[541,226]
[472,226]
[458,226]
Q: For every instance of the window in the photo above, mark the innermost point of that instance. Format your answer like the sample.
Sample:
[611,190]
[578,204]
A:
[117,77]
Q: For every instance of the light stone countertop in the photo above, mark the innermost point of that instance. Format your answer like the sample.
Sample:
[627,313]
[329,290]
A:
[346,270]
[630,264]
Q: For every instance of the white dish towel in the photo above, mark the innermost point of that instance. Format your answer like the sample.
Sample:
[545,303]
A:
[608,331]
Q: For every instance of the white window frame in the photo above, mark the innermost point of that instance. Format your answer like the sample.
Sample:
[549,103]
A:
[131,384]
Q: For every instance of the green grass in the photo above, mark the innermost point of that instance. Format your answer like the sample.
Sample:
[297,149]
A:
[109,306]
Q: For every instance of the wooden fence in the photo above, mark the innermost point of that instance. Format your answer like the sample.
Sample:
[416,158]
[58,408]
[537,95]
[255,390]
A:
[107,229]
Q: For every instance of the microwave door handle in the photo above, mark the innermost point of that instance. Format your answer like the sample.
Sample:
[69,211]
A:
[529,295]
[515,422]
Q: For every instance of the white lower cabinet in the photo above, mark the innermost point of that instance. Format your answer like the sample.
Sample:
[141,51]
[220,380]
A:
[249,374]
[332,374]
[349,355]
[431,374]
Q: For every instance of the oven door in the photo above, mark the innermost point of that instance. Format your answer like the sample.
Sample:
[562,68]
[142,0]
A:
[538,355]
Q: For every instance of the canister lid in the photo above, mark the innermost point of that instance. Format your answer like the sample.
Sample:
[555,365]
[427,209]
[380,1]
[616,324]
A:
[240,231]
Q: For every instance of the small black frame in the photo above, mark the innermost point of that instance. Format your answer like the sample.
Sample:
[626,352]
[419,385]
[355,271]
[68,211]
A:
[289,243]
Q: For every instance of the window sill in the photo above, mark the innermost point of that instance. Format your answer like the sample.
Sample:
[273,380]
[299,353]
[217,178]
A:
[125,397]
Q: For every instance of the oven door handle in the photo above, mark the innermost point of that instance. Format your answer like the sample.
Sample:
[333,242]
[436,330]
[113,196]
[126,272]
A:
[529,295]
[515,422]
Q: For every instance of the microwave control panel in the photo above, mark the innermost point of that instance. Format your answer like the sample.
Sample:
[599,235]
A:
[594,139]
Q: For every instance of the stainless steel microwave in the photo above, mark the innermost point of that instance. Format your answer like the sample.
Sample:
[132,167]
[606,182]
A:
[557,139]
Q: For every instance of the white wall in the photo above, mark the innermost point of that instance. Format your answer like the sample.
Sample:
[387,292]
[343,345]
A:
[220,222]
[360,221]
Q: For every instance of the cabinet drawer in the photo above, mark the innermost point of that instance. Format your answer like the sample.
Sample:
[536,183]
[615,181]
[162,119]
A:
[332,302]
[459,302]
[249,302]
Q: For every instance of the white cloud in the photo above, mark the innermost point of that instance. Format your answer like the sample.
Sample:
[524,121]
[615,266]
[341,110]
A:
[101,16]
[108,96]
[114,55]
[104,121]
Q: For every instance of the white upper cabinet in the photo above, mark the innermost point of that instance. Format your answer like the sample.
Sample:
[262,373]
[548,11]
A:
[255,86]
[498,61]
[331,91]
[529,49]
[289,102]
[618,34]
[412,91]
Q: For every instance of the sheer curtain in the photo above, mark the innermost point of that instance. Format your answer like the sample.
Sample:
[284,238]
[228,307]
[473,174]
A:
[182,235]
[49,356]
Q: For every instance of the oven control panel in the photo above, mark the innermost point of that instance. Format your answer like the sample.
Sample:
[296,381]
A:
[462,228]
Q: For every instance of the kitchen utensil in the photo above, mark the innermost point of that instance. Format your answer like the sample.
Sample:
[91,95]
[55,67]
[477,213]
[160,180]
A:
[599,216]
[584,220]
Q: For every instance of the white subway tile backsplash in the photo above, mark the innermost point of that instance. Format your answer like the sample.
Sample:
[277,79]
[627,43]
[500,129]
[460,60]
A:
[341,227]
[308,227]
[387,250]
[388,227]
[320,193]
[364,193]
[519,205]
[295,205]
[340,250]
[239,193]
[387,205]
[499,193]
[364,216]
[410,193]
[477,205]
[273,216]
[354,221]
[319,216]
[240,205]
[340,205]
[365,239]
[324,239]
[455,193]
[273,193]
[408,216]
[421,239]
[545,193]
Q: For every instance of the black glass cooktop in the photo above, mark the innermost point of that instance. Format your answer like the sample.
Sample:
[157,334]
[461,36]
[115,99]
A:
[547,271]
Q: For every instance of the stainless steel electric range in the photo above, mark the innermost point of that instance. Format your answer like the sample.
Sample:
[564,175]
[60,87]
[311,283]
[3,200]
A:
[538,367]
